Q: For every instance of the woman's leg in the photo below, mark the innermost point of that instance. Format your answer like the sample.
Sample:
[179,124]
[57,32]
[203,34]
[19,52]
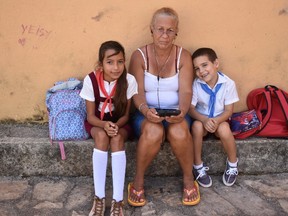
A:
[180,139]
[148,146]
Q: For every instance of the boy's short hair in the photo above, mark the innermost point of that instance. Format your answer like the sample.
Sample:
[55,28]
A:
[210,53]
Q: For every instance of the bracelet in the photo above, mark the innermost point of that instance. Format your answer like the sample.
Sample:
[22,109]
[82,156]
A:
[141,105]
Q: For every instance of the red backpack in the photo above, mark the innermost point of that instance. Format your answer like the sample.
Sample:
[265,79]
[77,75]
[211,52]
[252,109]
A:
[271,107]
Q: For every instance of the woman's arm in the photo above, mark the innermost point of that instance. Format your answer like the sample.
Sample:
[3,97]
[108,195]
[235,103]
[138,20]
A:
[136,68]
[185,81]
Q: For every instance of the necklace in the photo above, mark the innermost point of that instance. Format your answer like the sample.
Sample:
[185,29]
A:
[157,61]
[161,69]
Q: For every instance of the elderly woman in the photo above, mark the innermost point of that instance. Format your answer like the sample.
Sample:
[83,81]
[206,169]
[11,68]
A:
[164,74]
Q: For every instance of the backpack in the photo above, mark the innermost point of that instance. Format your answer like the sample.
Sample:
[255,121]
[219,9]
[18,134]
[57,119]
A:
[66,112]
[271,105]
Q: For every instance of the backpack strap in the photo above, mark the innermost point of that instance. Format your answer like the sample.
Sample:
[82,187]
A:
[282,99]
[265,120]
[61,147]
[62,150]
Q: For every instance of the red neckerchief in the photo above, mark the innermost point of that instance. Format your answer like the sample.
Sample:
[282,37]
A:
[100,80]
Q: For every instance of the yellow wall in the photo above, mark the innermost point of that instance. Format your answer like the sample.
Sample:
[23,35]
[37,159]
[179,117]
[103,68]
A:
[46,41]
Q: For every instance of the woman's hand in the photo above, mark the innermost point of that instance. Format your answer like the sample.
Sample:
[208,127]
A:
[175,119]
[151,115]
[111,129]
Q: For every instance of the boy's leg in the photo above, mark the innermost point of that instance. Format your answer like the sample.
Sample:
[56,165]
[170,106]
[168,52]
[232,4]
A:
[198,131]
[199,170]
[228,141]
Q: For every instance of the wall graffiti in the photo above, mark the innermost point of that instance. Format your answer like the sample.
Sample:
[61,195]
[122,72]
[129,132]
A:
[33,31]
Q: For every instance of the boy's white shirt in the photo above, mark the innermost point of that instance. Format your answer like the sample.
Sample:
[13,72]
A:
[226,95]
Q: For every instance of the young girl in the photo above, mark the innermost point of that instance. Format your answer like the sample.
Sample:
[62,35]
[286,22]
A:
[108,92]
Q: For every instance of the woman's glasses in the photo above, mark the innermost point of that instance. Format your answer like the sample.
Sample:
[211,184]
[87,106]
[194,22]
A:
[162,31]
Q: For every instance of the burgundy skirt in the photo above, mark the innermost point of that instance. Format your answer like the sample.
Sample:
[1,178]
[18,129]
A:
[127,127]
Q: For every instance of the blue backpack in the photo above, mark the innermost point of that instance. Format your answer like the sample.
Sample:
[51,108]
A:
[67,113]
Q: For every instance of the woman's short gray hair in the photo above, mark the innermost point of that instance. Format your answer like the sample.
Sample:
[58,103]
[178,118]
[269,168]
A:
[165,11]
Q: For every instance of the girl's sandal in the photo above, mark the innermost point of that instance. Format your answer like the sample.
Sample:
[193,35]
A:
[195,189]
[139,194]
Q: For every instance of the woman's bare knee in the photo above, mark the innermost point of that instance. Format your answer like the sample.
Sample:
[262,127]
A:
[152,132]
[178,131]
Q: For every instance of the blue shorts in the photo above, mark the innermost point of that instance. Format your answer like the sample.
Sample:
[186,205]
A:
[138,118]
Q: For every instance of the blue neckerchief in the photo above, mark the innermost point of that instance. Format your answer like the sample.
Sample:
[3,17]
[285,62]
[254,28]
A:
[212,99]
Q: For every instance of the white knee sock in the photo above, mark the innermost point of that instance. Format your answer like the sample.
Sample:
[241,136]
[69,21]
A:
[99,160]
[118,174]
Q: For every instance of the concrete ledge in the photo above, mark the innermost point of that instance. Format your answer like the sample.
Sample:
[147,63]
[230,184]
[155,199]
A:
[25,150]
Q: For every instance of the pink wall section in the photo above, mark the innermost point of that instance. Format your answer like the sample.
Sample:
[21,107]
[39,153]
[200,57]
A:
[42,42]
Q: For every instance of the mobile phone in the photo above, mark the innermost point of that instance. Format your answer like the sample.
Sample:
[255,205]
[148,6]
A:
[168,112]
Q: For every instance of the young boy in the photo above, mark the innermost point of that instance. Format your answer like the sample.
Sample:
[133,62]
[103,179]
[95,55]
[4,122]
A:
[212,104]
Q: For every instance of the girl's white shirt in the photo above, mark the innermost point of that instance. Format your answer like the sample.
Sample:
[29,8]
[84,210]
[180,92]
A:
[87,92]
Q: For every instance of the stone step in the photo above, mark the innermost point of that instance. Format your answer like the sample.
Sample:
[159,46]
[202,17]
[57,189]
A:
[26,150]
[73,196]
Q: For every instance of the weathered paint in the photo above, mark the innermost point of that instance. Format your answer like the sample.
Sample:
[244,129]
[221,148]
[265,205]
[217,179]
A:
[42,42]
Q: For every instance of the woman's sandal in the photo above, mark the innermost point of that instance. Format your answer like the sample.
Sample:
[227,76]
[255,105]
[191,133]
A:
[189,192]
[139,194]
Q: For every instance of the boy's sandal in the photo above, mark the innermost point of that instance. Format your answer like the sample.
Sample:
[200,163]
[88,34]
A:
[139,194]
[189,192]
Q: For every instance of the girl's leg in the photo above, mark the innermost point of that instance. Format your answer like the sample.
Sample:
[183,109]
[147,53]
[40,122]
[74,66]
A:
[118,162]
[99,160]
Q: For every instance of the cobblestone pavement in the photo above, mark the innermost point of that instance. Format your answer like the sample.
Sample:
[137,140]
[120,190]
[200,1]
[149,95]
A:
[53,196]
